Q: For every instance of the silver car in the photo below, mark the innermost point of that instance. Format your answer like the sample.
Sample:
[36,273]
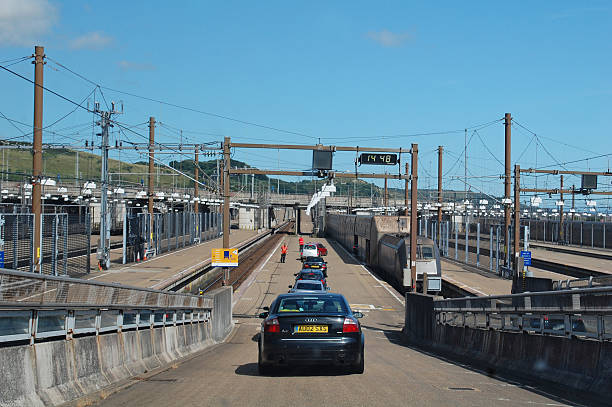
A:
[308,287]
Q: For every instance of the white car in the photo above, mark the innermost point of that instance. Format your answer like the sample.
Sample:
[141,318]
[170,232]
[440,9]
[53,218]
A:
[310,249]
[308,286]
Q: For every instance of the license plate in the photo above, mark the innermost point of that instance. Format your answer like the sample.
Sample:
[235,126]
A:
[314,267]
[308,329]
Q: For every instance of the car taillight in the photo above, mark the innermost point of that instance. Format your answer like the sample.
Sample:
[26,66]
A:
[350,325]
[272,325]
[306,266]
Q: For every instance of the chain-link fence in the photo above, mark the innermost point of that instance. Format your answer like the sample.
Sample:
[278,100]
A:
[146,236]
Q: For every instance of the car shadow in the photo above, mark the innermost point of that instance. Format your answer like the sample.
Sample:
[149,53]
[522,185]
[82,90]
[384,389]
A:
[250,369]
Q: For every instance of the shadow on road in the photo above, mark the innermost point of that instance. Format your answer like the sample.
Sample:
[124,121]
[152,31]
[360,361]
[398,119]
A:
[342,253]
[250,369]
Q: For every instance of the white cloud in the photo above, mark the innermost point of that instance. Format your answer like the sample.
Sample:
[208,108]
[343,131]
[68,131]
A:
[25,22]
[387,38]
[92,40]
[136,66]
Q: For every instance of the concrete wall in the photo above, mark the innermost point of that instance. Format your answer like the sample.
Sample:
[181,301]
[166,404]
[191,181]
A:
[55,372]
[222,323]
[573,363]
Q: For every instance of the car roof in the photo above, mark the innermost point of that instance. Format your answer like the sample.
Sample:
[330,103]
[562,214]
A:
[327,295]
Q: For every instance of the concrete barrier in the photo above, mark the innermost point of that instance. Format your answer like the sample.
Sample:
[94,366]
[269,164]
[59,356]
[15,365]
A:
[59,371]
[222,323]
[572,363]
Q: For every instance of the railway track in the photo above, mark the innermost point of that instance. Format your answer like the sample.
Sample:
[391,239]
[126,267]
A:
[555,267]
[252,256]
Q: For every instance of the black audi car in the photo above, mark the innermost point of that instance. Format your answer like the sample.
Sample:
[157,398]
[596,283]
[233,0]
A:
[310,329]
[315,263]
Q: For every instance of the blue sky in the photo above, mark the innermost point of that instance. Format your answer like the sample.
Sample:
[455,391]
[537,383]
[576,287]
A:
[347,72]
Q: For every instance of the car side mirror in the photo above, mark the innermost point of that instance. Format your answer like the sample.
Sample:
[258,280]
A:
[266,308]
[328,288]
[290,286]
[263,315]
[357,314]
[295,274]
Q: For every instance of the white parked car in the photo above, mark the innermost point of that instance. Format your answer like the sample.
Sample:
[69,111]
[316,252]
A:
[310,249]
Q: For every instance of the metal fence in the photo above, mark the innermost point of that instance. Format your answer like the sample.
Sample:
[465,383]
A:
[34,306]
[578,233]
[145,236]
[577,312]
[65,243]
[479,243]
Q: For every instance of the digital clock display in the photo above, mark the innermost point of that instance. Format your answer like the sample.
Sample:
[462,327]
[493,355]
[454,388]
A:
[378,159]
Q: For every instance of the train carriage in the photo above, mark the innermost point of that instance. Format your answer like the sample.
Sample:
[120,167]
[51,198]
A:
[383,242]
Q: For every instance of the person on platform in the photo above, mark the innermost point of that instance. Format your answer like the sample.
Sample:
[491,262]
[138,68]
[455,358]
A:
[283,252]
[301,240]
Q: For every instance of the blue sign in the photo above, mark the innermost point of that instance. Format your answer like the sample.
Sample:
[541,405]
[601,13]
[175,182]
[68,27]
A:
[526,255]
[2,259]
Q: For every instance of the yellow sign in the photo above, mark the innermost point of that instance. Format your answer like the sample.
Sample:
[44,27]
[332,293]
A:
[224,257]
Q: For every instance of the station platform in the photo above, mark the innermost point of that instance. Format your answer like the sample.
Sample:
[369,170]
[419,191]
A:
[576,257]
[395,373]
[152,273]
[477,282]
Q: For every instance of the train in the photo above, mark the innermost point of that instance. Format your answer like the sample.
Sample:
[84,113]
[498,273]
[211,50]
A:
[383,243]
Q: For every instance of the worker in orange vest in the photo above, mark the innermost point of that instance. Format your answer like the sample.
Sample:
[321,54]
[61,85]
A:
[283,252]
[301,244]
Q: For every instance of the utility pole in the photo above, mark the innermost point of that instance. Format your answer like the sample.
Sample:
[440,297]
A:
[465,164]
[37,162]
[440,149]
[76,169]
[561,233]
[103,253]
[151,171]
[517,216]
[406,198]
[218,178]
[252,186]
[413,214]
[507,180]
[196,191]
[226,193]
[386,196]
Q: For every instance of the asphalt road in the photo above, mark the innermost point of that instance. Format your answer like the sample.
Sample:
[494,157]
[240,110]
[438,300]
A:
[395,374]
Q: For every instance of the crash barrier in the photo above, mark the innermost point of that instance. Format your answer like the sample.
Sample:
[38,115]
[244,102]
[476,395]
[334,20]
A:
[63,339]
[561,337]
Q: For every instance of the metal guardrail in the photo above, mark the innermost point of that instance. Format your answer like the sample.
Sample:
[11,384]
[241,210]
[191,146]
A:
[34,306]
[577,312]
[583,282]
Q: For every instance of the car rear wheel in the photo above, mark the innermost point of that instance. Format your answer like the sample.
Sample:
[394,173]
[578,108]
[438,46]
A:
[358,368]
[263,368]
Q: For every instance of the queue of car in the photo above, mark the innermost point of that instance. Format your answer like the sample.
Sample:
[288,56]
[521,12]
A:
[310,325]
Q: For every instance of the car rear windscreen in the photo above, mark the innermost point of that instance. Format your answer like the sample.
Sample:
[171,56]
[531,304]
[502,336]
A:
[308,286]
[310,247]
[311,304]
[311,276]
